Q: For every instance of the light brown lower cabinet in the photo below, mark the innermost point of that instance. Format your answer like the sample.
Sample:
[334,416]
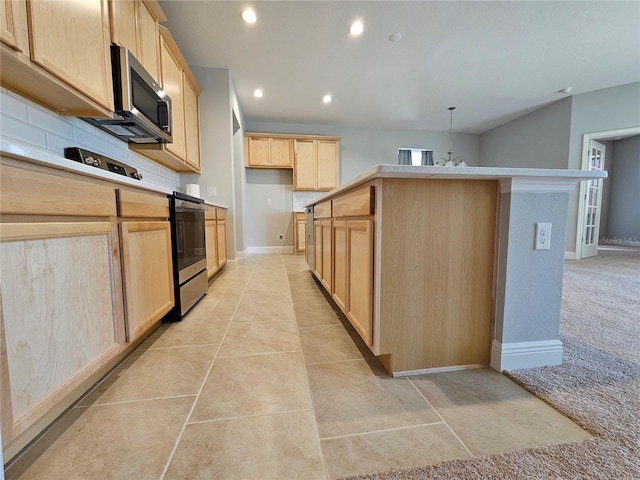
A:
[299,231]
[148,274]
[323,249]
[215,230]
[353,273]
[60,315]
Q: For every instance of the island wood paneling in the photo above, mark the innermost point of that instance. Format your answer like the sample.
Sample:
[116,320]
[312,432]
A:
[436,272]
[358,202]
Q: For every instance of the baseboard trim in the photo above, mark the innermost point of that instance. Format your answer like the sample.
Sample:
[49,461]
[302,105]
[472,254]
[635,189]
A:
[283,249]
[519,355]
[241,254]
[438,370]
[570,256]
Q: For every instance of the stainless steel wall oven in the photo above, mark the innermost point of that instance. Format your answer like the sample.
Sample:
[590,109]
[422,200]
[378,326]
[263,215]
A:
[189,251]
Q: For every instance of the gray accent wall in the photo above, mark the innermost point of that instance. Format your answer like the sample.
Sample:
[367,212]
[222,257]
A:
[539,139]
[529,283]
[623,226]
[217,147]
[606,188]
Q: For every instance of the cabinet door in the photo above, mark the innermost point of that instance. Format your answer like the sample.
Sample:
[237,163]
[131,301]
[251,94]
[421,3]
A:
[221,227]
[211,244]
[258,151]
[191,124]
[360,277]
[71,40]
[172,84]
[13,25]
[317,248]
[123,24]
[60,311]
[148,274]
[304,170]
[301,235]
[327,165]
[280,152]
[326,255]
[147,38]
[339,292]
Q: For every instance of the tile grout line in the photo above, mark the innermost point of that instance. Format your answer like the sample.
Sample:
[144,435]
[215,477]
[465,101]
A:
[253,415]
[442,418]
[373,432]
[204,381]
[306,376]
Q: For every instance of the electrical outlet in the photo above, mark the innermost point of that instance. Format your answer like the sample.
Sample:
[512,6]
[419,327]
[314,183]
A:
[281,237]
[211,191]
[543,236]
[269,201]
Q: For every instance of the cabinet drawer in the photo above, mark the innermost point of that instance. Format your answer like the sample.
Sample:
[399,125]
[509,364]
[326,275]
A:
[210,213]
[300,216]
[322,210]
[135,204]
[221,213]
[36,193]
[360,202]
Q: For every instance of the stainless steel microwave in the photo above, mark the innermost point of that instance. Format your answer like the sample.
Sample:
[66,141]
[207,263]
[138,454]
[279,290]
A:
[142,109]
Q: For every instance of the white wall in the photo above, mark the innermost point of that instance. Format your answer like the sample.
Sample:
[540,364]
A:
[624,205]
[360,149]
[539,139]
[25,122]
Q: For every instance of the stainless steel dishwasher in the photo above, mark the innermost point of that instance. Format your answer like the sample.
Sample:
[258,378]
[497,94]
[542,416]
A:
[311,258]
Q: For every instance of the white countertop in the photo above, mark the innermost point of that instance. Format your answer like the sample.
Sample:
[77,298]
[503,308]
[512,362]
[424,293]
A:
[533,178]
[42,157]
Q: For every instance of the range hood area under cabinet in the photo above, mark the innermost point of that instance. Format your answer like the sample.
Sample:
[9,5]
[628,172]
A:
[73,76]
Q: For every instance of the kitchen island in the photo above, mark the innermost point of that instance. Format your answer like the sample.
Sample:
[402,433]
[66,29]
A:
[436,267]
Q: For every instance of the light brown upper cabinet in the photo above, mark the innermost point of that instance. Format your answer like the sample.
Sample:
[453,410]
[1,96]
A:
[315,164]
[65,69]
[134,24]
[264,151]
[183,154]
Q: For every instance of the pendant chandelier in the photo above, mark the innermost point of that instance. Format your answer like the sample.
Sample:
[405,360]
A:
[455,161]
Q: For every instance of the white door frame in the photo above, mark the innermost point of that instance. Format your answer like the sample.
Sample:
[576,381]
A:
[586,139]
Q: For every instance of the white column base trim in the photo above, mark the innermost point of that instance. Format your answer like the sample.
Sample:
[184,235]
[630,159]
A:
[570,256]
[518,355]
[283,249]
[241,254]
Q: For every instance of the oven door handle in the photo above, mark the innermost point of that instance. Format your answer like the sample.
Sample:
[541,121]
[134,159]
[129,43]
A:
[190,205]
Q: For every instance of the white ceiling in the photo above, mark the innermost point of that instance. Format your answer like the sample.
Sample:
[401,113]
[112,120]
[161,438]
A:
[494,61]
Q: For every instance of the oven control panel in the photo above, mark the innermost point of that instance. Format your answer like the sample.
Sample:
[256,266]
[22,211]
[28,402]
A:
[100,161]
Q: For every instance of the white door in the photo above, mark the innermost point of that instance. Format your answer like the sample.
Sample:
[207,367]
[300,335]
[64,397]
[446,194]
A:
[592,202]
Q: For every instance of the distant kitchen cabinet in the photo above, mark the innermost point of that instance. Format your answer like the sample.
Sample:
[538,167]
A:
[134,24]
[66,70]
[61,295]
[299,231]
[146,260]
[183,153]
[262,150]
[221,230]
[316,164]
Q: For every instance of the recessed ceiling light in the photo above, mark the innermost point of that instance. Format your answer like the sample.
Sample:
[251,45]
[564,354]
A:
[394,37]
[326,99]
[258,93]
[356,28]
[249,16]
[566,90]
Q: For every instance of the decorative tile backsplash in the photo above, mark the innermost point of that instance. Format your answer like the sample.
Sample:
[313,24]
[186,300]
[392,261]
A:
[24,121]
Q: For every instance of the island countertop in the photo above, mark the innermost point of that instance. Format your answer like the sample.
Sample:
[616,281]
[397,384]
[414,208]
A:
[563,179]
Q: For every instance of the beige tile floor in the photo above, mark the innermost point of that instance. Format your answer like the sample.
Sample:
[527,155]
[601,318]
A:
[264,380]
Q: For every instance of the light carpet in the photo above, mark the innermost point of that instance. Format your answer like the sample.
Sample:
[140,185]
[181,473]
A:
[597,386]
